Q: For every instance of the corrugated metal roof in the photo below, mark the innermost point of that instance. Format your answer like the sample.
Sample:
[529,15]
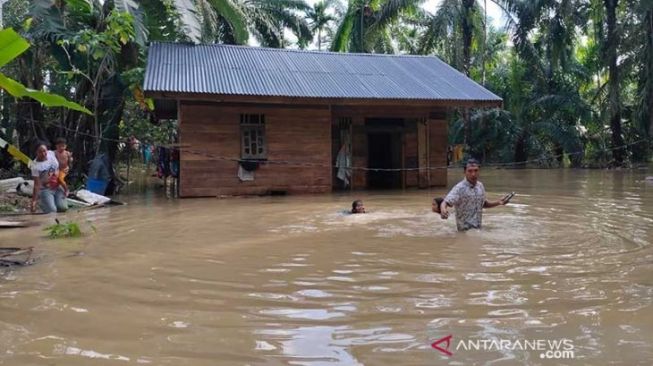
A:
[242,70]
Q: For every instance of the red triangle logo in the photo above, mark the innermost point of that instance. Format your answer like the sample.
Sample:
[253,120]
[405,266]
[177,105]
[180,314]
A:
[444,350]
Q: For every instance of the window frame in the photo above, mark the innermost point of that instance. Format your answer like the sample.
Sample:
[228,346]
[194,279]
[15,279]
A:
[253,123]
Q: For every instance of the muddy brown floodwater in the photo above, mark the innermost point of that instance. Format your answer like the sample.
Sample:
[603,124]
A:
[292,281]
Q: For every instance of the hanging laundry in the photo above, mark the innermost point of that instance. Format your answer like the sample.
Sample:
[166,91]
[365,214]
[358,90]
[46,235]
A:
[174,163]
[343,163]
[147,153]
[163,167]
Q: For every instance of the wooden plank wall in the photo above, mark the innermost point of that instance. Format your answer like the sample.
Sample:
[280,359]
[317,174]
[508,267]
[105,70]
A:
[297,134]
[411,144]
[438,141]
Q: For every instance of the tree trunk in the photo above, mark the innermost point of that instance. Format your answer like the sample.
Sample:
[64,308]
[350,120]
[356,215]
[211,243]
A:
[467,29]
[467,125]
[319,39]
[521,150]
[559,153]
[110,112]
[618,151]
[484,43]
[649,94]
[30,123]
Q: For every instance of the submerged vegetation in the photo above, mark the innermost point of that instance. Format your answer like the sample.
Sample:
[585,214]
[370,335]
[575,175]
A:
[70,229]
[576,76]
[66,230]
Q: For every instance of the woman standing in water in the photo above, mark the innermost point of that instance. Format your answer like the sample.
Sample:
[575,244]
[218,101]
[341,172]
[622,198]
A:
[45,171]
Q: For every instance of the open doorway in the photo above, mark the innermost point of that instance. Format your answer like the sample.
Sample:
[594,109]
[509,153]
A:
[384,138]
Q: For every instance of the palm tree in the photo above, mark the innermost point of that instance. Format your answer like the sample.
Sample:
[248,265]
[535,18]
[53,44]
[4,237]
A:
[320,20]
[453,31]
[610,45]
[645,77]
[366,23]
[232,21]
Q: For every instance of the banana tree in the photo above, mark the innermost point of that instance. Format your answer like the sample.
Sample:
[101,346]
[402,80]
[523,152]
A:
[11,46]
[81,47]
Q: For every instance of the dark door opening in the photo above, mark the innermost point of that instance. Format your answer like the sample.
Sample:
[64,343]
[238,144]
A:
[384,152]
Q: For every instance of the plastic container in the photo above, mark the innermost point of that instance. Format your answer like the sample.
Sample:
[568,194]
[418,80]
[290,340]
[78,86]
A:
[98,186]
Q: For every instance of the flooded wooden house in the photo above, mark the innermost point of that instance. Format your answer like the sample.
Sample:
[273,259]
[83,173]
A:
[258,121]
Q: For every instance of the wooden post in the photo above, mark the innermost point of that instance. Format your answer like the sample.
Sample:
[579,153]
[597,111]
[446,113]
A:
[428,152]
[351,154]
[423,153]
[129,162]
[403,160]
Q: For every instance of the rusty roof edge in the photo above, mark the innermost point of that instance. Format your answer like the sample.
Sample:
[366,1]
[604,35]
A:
[289,99]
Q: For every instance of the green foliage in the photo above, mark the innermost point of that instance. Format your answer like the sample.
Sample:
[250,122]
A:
[137,124]
[321,20]
[67,230]
[132,26]
[6,208]
[11,46]
[164,22]
[70,229]
[118,32]
[365,25]
[550,65]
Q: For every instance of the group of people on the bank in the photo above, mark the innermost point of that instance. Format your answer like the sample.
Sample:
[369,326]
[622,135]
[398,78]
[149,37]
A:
[467,197]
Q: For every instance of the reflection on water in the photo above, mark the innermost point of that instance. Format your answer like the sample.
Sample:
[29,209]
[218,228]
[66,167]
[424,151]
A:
[291,280]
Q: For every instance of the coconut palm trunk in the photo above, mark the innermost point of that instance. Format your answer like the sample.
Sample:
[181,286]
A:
[613,85]
[467,30]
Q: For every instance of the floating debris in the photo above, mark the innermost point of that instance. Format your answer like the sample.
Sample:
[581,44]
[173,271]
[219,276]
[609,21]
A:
[10,257]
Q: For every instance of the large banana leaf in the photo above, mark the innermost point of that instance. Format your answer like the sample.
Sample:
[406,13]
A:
[18,90]
[11,46]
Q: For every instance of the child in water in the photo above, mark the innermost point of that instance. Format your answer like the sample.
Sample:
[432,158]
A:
[435,205]
[65,159]
[357,207]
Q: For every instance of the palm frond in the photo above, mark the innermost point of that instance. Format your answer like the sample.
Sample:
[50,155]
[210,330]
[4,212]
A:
[233,15]
[343,34]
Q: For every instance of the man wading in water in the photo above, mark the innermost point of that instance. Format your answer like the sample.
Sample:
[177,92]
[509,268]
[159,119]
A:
[468,197]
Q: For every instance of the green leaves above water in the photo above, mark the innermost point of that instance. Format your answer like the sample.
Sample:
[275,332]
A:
[69,229]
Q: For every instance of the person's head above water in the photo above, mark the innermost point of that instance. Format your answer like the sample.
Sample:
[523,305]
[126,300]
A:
[472,167]
[435,206]
[357,207]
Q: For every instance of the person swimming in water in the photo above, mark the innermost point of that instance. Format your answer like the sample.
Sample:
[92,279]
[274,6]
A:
[357,207]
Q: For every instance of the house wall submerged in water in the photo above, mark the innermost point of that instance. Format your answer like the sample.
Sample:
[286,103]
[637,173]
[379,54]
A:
[261,121]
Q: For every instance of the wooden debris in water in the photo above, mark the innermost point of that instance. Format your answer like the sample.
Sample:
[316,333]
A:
[10,257]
